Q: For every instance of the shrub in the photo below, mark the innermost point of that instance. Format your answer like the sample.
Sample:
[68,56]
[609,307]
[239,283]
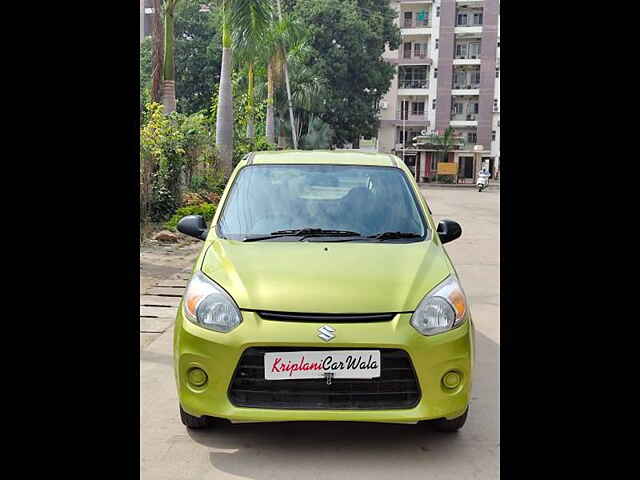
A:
[207,210]
[445,179]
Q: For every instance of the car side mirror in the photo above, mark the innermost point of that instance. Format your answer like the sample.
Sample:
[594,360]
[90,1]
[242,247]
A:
[448,230]
[194,226]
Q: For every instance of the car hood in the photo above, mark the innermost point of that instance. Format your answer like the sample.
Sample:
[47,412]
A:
[326,277]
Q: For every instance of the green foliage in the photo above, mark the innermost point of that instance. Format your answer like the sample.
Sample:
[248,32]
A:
[198,55]
[207,210]
[241,144]
[446,178]
[208,181]
[348,38]
[146,48]
[319,135]
[162,141]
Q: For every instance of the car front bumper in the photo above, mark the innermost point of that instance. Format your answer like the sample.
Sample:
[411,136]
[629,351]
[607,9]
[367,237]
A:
[218,354]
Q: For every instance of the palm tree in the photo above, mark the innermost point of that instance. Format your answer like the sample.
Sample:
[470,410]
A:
[284,39]
[239,18]
[168,77]
[248,44]
[444,142]
[286,79]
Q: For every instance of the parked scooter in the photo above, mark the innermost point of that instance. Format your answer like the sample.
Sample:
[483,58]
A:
[483,180]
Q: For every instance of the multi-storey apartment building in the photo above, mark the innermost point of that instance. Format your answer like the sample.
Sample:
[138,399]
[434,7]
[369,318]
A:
[448,69]
[146,18]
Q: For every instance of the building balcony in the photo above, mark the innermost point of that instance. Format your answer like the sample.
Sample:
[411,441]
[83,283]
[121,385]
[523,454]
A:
[411,121]
[466,61]
[413,87]
[464,120]
[468,29]
[420,84]
[464,116]
[465,91]
[415,27]
[410,58]
[460,89]
[411,117]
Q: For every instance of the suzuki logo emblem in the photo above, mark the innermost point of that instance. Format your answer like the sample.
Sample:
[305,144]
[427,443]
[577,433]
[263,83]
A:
[326,333]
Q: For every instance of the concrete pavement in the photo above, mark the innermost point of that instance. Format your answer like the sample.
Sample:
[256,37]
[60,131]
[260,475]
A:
[352,450]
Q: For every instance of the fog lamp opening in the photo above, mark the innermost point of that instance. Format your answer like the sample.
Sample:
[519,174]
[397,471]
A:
[197,377]
[451,380]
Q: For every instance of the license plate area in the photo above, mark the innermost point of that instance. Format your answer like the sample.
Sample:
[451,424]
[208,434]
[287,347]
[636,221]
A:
[322,364]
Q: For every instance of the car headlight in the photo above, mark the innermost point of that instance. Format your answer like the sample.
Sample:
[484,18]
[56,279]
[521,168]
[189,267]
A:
[207,305]
[442,309]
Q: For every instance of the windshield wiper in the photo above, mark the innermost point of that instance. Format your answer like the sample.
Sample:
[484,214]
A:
[315,231]
[304,233]
[394,235]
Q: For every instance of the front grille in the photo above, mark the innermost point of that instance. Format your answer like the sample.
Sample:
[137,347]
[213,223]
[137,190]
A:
[327,317]
[396,388]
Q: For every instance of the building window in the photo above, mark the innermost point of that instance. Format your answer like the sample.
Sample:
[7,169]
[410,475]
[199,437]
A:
[457,108]
[495,104]
[497,73]
[437,11]
[472,137]
[417,108]
[422,18]
[472,107]
[436,43]
[406,53]
[461,50]
[435,73]
[475,78]
[477,19]
[493,135]
[474,50]
[408,19]
[433,104]
[413,77]
[461,20]
[420,50]
[459,79]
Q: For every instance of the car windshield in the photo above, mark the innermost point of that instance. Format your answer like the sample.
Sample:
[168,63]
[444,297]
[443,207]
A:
[269,199]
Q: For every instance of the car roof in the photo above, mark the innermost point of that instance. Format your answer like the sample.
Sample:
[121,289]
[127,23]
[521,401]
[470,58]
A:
[322,157]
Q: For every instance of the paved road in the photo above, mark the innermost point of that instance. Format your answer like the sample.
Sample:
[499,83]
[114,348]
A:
[348,450]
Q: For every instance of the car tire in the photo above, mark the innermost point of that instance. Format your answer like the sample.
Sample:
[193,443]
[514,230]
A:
[450,426]
[190,421]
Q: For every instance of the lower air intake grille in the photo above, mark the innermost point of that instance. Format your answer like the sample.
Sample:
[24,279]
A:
[396,388]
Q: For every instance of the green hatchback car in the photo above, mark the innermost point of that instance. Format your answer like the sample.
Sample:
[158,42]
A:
[323,292]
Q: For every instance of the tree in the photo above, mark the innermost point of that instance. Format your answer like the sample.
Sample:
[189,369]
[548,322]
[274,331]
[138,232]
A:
[284,38]
[288,84]
[168,71]
[198,55]
[348,38]
[444,142]
[249,48]
[236,16]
